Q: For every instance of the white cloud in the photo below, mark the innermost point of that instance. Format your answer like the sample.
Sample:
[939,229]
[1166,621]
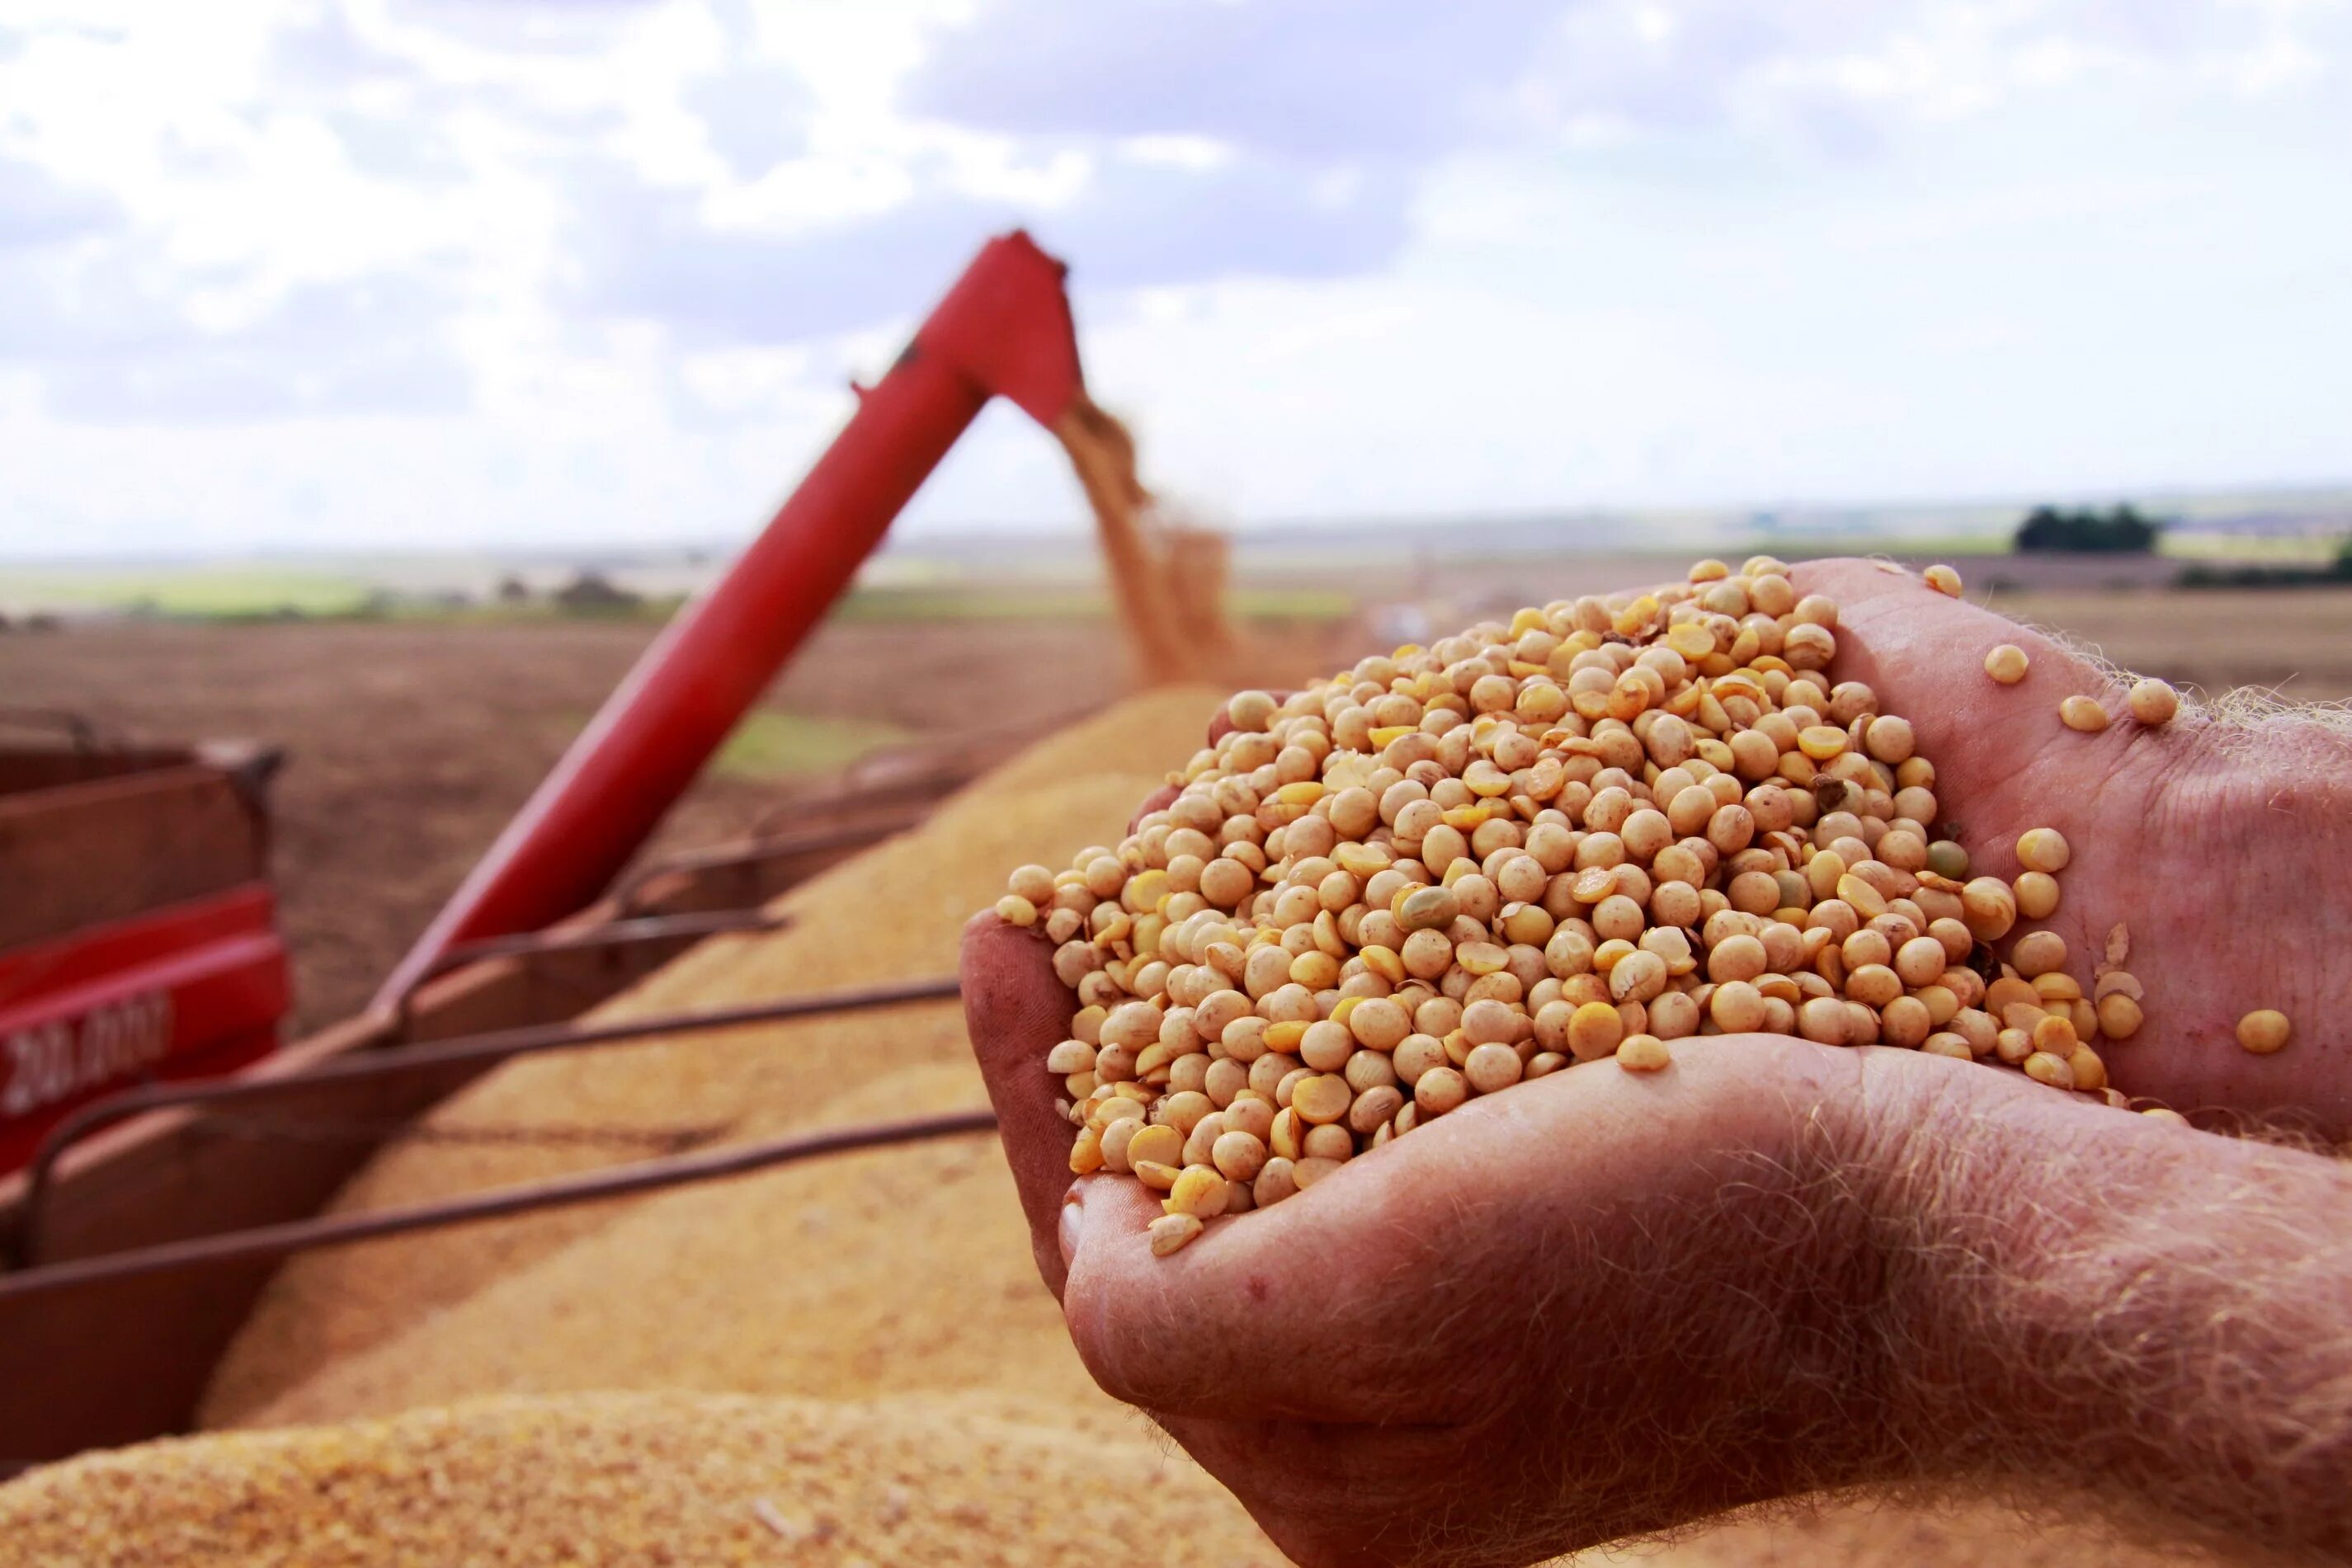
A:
[434,271]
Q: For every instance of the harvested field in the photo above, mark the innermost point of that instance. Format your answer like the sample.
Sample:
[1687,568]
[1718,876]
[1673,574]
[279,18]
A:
[2296,644]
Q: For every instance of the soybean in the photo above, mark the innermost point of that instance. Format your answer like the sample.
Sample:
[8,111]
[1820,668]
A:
[1605,824]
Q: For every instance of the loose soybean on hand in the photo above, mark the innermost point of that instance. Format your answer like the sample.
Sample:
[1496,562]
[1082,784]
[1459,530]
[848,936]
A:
[1602,1302]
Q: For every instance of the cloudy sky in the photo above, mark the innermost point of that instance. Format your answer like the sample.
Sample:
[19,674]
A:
[452,272]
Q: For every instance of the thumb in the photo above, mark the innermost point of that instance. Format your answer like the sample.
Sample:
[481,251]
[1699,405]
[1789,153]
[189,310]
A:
[1015,1010]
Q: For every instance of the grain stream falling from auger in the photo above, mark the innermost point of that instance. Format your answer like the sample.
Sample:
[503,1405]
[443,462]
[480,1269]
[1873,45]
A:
[1170,577]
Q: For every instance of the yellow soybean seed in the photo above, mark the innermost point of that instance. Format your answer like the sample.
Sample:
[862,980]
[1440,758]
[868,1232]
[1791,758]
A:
[2090,1073]
[2119,1015]
[1440,1090]
[1015,910]
[1821,742]
[1321,1099]
[2044,850]
[2057,1035]
[1200,1191]
[1306,1172]
[2264,1031]
[1428,908]
[1158,1145]
[1285,1035]
[1691,640]
[1943,580]
[2037,894]
[1643,1053]
[2007,664]
[2044,1068]
[1482,957]
[1492,1067]
[1866,900]
[2084,714]
[2153,701]
[1170,1232]
[1594,1030]
[2055,985]
[2039,953]
[1251,711]
[1987,907]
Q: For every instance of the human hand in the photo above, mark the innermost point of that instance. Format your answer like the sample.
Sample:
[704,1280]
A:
[1596,1305]
[1601,1304]
[2210,840]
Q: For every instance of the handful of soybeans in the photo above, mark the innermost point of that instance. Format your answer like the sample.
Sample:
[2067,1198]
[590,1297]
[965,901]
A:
[1613,823]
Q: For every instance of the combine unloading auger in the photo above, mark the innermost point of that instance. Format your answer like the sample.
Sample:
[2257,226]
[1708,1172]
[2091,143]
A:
[1002,330]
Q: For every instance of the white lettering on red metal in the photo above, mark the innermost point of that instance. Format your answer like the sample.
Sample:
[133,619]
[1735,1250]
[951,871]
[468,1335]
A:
[56,1061]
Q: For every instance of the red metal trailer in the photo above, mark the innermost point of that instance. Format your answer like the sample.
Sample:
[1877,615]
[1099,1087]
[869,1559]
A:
[138,932]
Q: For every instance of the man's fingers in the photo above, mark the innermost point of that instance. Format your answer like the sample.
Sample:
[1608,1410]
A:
[1015,1010]
[1175,1334]
[1923,653]
[1322,1307]
[1310,1309]
[1907,635]
[1346,1496]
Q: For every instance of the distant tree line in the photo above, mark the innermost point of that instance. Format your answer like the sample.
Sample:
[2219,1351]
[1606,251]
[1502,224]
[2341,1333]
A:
[2087,530]
[2335,574]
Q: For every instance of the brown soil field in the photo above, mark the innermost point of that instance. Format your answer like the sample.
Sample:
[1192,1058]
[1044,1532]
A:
[411,743]
[2297,644]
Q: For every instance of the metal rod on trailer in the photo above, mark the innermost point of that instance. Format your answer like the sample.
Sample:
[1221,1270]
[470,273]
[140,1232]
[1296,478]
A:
[40,1173]
[624,931]
[647,1176]
[743,852]
[1004,329]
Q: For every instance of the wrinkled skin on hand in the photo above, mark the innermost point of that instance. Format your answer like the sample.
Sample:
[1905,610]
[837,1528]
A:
[1600,1303]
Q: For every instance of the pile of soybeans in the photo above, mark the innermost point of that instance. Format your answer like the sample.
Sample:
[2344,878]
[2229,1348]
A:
[1613,822]
[848,1362]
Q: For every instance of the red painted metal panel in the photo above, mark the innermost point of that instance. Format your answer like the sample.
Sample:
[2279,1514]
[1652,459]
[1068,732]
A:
[196,988]
[37,968]
[1004,327]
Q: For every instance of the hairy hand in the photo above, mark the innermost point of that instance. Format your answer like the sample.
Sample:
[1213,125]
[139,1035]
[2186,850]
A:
[1595,1305]
[2201,838]
[1601,1305]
